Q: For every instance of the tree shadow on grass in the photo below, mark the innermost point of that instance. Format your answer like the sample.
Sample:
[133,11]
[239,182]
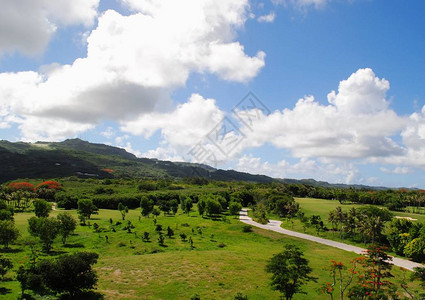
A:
[89,295]
[55,252]
[75,245]
[5,291]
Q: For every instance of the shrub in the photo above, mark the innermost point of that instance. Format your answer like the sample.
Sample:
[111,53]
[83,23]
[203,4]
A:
[247,228]
[50,184]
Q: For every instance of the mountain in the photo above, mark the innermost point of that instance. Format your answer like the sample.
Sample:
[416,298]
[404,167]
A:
[85,159]
[78,157]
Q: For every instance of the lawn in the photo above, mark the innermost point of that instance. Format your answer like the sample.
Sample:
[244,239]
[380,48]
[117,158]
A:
[224,259]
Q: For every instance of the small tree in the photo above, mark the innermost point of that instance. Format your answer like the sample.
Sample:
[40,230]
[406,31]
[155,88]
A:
[123,210]
[186,205]
[147,206]
[336,269]
[8,232]
[290,271]
[161,239]
[156,212]
[5,265]
[212,207]
[46,229]
[85,209]
[235,208]
[174,205]
[67,225]
[170,232]
[146,237]
[201,207]
[42,208]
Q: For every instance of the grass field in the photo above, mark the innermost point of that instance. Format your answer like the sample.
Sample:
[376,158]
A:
[224,261]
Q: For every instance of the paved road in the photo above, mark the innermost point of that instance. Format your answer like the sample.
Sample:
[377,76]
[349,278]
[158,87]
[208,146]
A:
[275,226]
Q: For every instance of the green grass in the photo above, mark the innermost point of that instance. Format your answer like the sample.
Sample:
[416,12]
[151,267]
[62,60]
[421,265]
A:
[312,206]
[139,270]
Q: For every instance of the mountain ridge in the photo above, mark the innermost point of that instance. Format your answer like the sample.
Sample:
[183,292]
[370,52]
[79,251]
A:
[83,158]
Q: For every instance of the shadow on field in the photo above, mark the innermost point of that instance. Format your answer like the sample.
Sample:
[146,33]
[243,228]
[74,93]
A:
[90,295]
[76,245]
[4,291]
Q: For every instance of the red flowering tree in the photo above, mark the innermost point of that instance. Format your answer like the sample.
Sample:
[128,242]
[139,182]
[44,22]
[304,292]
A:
[372,281]
[337,269]
[20,186]
[50,184]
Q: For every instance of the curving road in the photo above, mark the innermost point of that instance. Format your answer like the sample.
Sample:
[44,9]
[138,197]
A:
[275,226]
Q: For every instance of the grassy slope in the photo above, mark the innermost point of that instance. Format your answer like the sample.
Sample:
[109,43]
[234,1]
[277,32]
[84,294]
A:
[178,272]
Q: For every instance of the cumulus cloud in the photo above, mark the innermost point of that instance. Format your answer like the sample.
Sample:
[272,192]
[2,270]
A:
[357,123]
[27,25]
[182,127]
[328,171]
[133,64]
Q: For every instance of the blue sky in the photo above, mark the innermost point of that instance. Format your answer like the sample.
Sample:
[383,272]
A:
[342,82]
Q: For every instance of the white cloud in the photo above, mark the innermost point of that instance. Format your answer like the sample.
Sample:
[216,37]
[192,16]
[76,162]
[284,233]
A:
[357,123]
[108,132]
[303,4]
[181,128]
[305,168]
[133,63]
[163,154]
[267,18]
[27,25]
[396,170]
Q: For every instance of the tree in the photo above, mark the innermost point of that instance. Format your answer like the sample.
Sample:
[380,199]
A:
[372,281]
[146,205]
[201,207]
[42,208]
[123,210]
[186,205]
[336,269]
[71,274]
[85,209]
[156,212]
[212,207]
[235,208]
[46,229]
[170,232]
[290,271]
[67,225]
[8,232]
[174,205]
[5,265]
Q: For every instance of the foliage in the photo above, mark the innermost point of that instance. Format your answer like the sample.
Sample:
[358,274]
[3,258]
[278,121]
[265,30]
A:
[20,186]
[5,265]
[46,229]
[67,225]
[70,274]
[290,271]
[235,208]
[123,210]
[42,208]
[50,184]
[85,209]
[147,206]
[8,232]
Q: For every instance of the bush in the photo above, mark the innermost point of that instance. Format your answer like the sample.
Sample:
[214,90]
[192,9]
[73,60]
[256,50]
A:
[247,228]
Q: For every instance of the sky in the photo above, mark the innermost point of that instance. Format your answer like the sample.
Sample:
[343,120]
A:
[325,89]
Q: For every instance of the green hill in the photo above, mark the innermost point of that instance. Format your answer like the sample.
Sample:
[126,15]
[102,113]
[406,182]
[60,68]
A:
[81,158]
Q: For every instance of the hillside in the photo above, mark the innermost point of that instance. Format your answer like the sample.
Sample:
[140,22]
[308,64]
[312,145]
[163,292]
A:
[78,157]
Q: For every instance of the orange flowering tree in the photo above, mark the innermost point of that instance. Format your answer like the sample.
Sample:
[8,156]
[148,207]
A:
[50,184]
[20,186]
[336,269]
[372,281]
